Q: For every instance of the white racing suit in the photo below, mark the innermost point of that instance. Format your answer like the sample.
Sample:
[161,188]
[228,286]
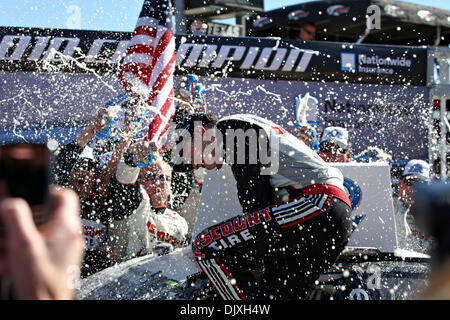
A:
[295,221]
[147,230]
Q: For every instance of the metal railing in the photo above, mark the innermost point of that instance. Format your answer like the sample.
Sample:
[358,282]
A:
[439,84]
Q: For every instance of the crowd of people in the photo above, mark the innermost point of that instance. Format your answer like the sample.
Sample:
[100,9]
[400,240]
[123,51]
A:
[125,210]
[295,223]
[333,145]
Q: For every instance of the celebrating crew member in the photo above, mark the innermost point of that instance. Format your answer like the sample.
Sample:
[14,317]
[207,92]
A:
[334,145]
[186,186]
[77,167]
[296,217]
[153,227]
[410,236]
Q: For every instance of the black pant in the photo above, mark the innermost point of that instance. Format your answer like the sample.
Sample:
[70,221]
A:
[289,245]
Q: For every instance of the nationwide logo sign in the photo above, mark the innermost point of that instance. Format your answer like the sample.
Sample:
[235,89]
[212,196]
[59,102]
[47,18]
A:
[384,61]
[382,65]
[373,63]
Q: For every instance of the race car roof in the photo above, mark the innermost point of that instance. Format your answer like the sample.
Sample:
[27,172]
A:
[345,20]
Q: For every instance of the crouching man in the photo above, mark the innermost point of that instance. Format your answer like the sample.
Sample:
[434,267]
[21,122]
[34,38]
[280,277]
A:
[296,217]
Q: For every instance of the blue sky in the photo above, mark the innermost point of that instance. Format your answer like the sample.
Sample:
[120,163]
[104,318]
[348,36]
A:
[116,15]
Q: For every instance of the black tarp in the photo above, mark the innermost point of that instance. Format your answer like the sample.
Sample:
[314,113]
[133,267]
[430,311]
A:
[401,22]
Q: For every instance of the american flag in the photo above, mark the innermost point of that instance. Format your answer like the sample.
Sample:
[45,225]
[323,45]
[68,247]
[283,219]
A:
[148,67]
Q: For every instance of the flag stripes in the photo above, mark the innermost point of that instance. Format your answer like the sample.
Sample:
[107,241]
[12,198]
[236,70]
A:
[300,210]
[221,279]
[148,67]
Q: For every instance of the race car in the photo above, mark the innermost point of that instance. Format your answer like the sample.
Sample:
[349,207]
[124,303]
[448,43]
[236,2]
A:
[372,267]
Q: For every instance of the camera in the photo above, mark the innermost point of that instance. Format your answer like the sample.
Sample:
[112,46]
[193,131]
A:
[24,173]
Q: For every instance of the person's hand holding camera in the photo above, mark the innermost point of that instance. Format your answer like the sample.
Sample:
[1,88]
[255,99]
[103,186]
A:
[41,262]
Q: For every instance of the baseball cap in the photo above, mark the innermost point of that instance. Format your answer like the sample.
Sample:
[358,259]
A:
[336,135]
[418,169]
